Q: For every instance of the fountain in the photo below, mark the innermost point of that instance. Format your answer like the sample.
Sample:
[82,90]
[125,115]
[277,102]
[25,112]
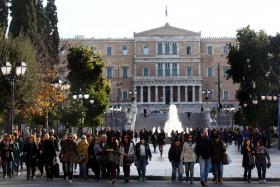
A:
[173,122]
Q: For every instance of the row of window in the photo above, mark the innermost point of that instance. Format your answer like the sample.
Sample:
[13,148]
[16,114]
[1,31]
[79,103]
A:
[210,72]
[167,48]
[125,95]
[165,69]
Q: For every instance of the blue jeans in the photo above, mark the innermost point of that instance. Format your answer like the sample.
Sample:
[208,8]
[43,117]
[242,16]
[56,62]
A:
[218,169]
[68,170]
[7,168]
[189,167]
[16,166]
[83,170]
[204,168]
[175,168]
[142,163]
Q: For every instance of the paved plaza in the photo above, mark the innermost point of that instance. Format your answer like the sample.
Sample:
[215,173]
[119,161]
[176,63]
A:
[159,169]
[234,171]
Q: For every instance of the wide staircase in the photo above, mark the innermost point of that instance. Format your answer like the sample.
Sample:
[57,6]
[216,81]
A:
[194,120]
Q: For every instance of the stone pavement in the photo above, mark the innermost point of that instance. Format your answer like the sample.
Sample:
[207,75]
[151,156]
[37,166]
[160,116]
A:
[234,171]
[160,168]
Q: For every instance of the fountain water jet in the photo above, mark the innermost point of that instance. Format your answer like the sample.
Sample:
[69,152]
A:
[173,122]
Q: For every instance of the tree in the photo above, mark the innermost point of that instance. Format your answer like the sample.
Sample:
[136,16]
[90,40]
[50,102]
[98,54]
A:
[4,11]
[45,99]
[52,32]
[14,50]
[85,73]
[249,65]
[24,22]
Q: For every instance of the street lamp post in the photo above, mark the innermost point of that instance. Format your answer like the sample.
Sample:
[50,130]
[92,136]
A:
[12,74]
[114,110]
[64,86]
[229,109]
[81,97]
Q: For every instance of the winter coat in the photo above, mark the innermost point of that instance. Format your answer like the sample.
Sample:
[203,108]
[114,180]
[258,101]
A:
[261,155]
[188,152]
[147,151]
[82,149]
[248,159]
[110,154]
[69,152]
[123,154]
[204,148]
[48,150]
[174,153]
[6,152]
[30,153]
[94,154]
[219,151]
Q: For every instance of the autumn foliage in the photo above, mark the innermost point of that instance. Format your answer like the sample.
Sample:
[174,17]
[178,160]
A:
[47,97]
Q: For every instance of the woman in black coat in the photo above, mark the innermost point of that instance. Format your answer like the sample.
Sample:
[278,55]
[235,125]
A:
[217,158]
[30,155]
[248,160]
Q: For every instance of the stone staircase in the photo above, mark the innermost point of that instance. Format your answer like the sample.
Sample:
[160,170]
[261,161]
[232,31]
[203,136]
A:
[196,120]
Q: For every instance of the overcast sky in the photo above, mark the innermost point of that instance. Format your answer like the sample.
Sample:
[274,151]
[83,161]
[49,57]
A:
[120,18]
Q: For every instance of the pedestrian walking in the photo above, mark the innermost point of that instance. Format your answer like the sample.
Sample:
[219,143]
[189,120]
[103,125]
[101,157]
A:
[94,154]
[127,152]
[174,156]
[248,160]
[68,156]
[30,155]
[204,151]
[7,156]
[262,160]
[111,153]
[188,158]
[143,154]
[48,154]
[217,159]
[82,149]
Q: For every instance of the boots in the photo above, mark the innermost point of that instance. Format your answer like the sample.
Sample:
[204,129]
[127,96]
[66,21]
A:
[220,181]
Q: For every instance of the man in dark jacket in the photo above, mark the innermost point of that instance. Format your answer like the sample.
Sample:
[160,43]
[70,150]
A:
[30,152]
[143,153]
[48,154]
[174,156]
[204,151]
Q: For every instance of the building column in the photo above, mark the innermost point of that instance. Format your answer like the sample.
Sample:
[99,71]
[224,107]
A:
[163,94]
[156,93]
[200,94]
[141,94]
[186,93]
[149,94]
[178,94]
[193,93]
[171,94]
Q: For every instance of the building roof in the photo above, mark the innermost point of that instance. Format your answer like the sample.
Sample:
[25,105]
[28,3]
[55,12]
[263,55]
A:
[167,30]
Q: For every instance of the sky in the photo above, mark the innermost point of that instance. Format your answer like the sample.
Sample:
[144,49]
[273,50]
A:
[121,18]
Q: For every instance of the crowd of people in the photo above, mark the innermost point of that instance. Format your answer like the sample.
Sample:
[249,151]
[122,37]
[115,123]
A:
[104,152]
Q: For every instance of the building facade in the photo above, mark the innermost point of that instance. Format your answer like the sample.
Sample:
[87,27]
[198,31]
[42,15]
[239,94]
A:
[167,65]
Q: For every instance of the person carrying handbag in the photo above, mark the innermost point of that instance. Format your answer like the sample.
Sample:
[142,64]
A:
[262,160]
[218,159]
[188,158]
[127,156]
[248,159]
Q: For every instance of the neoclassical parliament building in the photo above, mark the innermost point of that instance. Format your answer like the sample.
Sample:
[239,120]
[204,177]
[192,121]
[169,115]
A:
[166,65]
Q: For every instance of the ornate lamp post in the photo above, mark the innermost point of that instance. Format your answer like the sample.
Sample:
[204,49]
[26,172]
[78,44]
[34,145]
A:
[82,97]
[64,86]
[12,73]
